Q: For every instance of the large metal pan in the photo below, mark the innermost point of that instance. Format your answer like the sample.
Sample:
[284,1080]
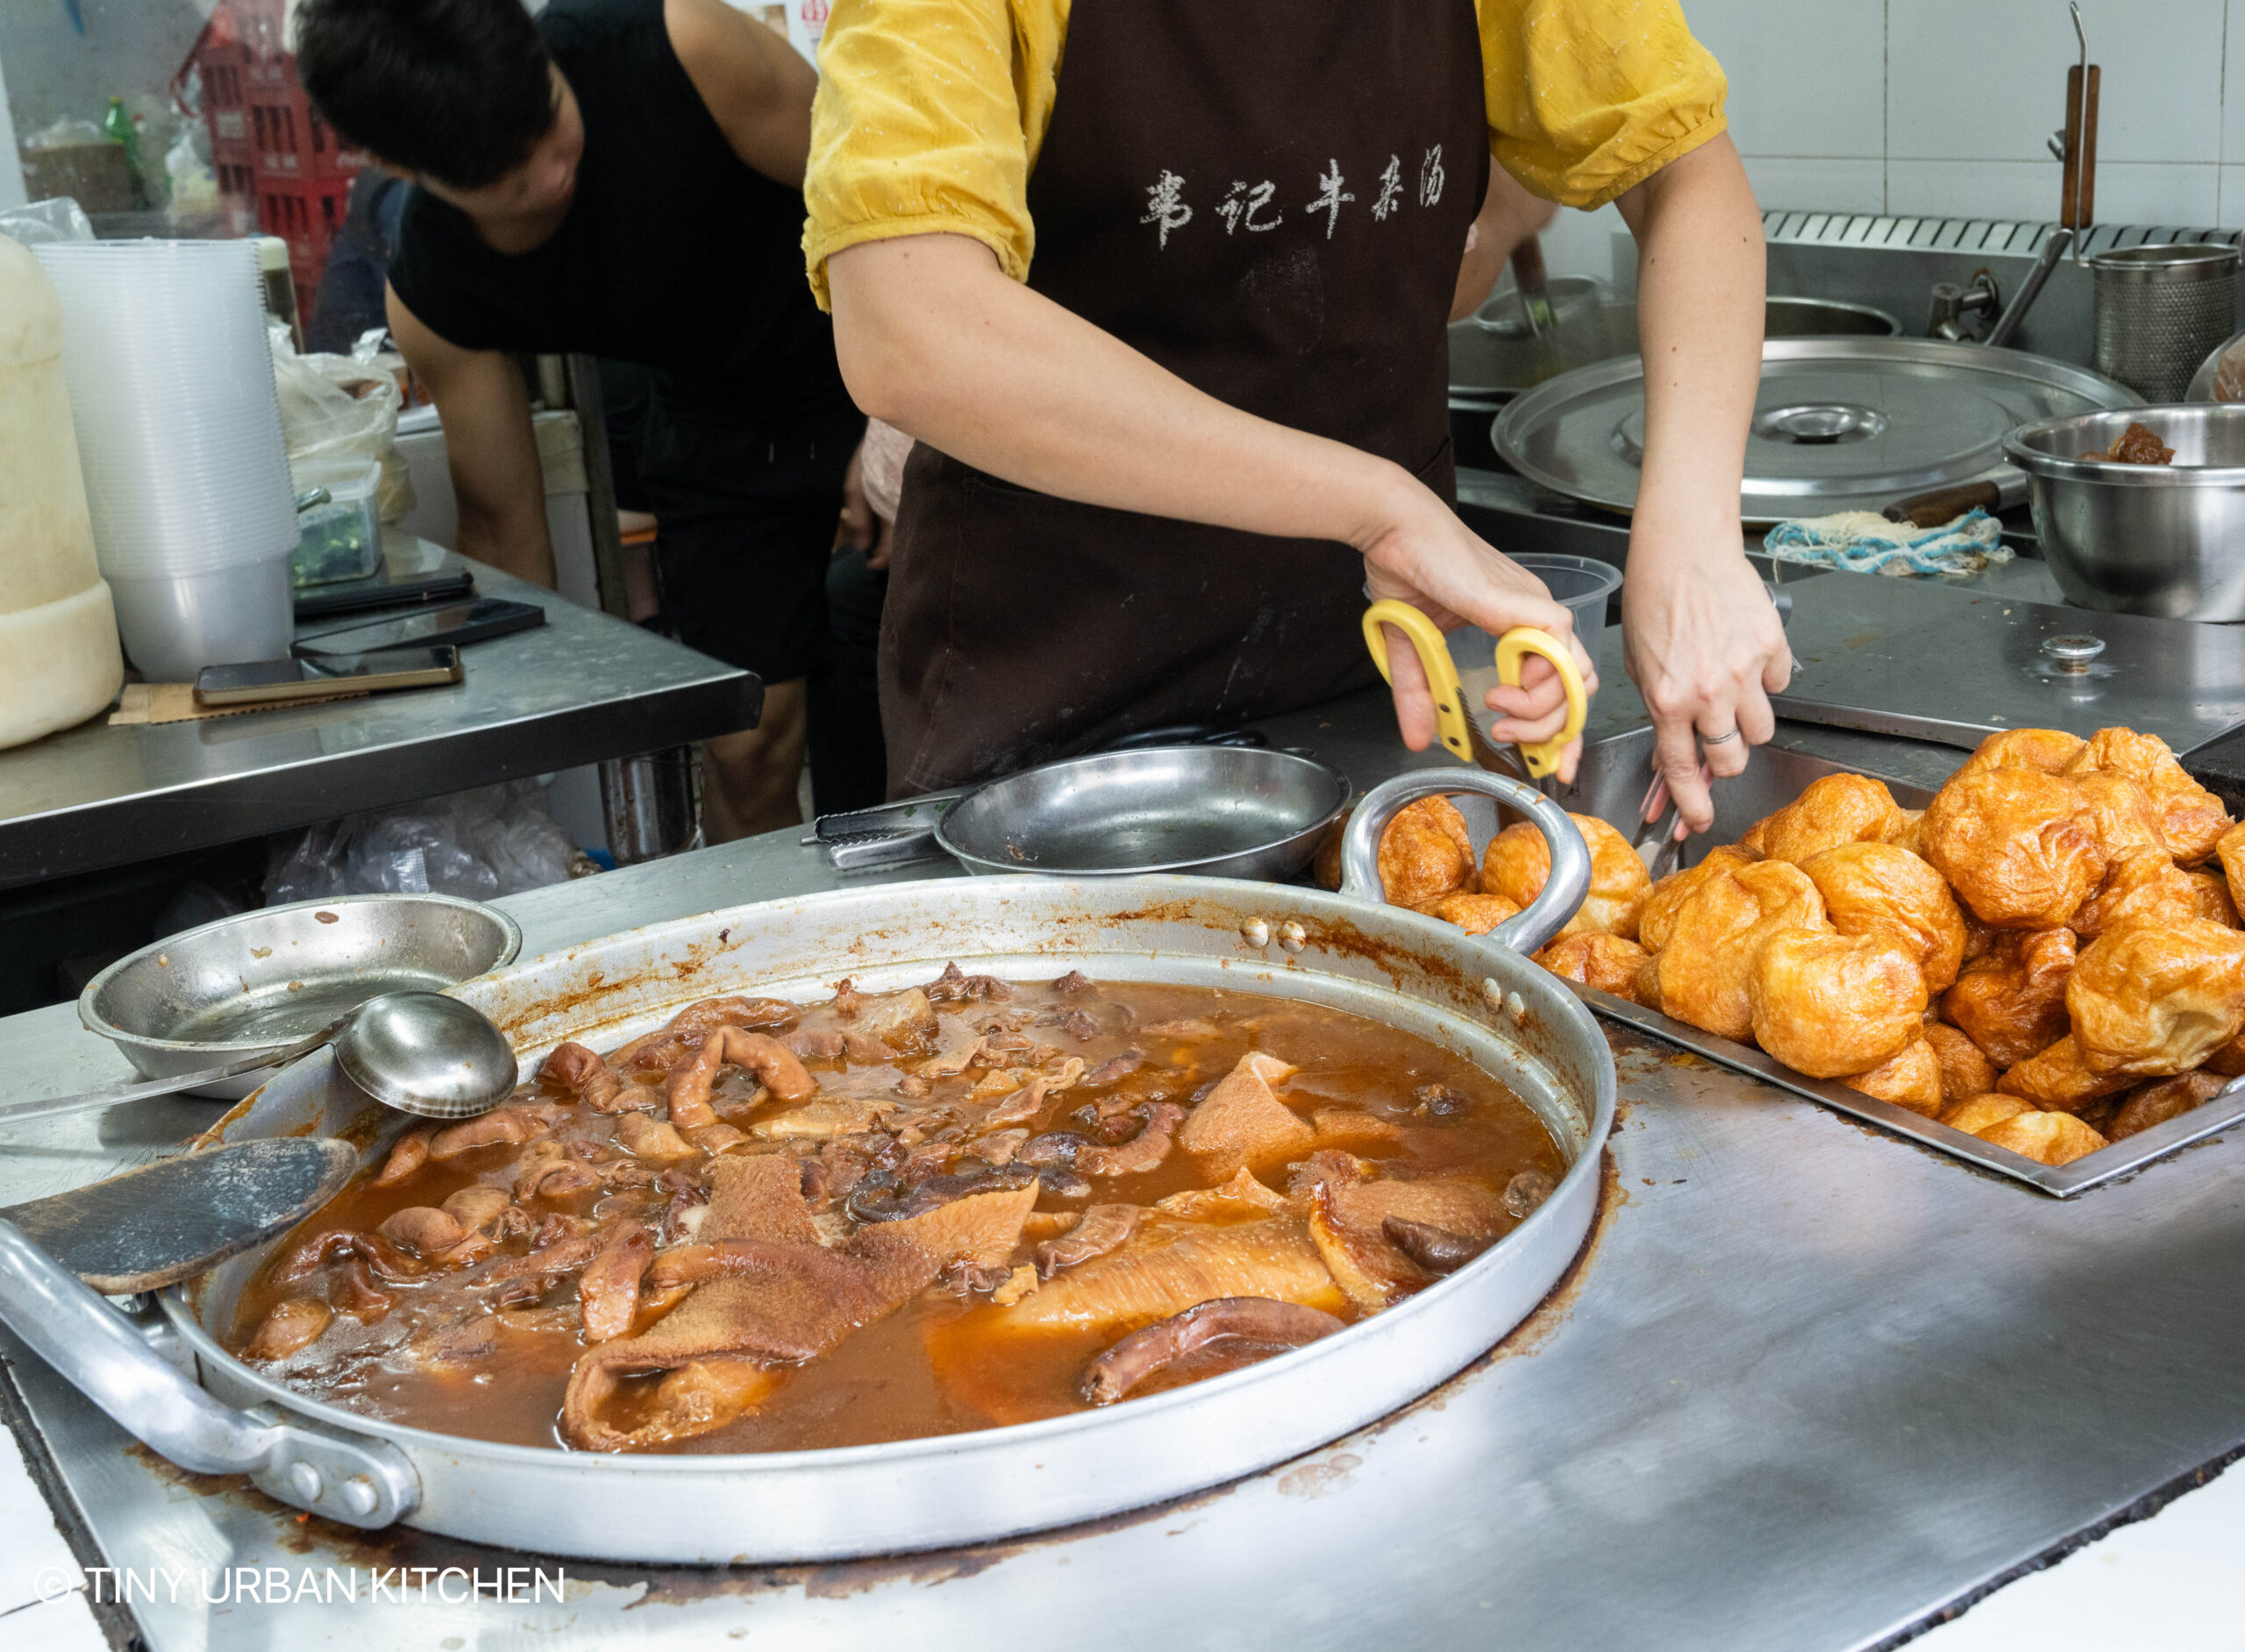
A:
[1480,997]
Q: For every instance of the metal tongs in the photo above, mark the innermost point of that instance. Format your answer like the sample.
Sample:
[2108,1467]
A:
[1657,843]
[886,834]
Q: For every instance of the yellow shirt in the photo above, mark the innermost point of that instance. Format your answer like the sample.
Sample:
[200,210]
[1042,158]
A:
[930,113]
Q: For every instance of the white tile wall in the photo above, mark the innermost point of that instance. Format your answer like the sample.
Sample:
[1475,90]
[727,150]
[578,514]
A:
[1944,106]
[1830,185]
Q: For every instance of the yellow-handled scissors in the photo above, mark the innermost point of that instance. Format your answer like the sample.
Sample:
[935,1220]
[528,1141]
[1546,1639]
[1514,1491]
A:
[1451,712]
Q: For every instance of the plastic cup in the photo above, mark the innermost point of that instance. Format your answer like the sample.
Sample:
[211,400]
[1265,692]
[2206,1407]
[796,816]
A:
[171,393]
[1581,585]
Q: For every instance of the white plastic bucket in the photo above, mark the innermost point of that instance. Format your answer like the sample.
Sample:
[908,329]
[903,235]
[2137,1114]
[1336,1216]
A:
[173,626]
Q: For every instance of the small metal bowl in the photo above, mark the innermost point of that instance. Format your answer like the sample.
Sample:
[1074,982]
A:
[2156,539]
[261,980]
[1216,810]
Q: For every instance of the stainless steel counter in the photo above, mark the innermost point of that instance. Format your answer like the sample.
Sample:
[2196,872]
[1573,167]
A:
[581,688]
[1811,1386]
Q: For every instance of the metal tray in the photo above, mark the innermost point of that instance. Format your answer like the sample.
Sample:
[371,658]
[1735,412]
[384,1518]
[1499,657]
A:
[1610,782]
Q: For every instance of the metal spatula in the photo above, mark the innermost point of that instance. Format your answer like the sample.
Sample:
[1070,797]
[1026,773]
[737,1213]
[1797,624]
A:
[178,1217]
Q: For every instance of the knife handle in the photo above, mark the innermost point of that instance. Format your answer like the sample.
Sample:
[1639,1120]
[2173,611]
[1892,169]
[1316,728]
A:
[1945,504]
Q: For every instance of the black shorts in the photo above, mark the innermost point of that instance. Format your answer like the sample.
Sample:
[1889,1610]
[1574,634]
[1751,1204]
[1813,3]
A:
[746,523]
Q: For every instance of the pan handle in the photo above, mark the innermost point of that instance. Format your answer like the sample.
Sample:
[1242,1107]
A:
[105,1357]
[1563,891]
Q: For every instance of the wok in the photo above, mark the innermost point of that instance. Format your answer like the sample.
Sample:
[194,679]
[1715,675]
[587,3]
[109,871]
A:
[166,1377]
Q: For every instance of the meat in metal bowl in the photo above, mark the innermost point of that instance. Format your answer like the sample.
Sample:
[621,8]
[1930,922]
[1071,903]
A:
[2156,539]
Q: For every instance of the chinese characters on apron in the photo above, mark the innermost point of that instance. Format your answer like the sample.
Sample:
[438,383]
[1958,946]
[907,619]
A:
[1270,198]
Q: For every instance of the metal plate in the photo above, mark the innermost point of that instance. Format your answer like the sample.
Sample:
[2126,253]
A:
[1932,661]
[264,979]
[1839,423]
[1218,811]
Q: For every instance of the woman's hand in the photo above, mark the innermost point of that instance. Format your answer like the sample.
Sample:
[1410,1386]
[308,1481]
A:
[1705,644]
[1706,648]
[1430,558]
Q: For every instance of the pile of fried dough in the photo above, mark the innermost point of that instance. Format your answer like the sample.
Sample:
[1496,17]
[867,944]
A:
[2041,957]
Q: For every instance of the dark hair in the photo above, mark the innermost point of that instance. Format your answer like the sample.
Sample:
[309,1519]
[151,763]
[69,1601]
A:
[454,89]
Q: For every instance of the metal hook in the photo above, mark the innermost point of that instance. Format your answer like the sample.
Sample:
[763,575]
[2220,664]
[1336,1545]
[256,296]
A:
[2078,122]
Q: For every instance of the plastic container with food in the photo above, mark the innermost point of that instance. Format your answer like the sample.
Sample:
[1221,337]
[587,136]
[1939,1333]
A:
[342,538]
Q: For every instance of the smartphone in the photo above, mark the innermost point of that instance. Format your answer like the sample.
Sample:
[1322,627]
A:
[449,581]
[274,681]
[461,622]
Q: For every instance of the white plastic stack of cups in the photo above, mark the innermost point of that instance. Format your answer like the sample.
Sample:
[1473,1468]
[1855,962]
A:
[179,434]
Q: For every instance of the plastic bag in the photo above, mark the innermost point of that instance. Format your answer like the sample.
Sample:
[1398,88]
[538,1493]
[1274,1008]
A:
[340,407]
[194,188]
[69,132]
[492,841]
[40,222]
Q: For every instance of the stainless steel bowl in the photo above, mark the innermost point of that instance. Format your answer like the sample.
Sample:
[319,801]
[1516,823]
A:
[1218,811]
[1824,318]
[262,980]
[2156,540]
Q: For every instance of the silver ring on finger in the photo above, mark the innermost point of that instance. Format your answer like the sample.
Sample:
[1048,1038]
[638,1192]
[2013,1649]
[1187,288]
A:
[1719,739]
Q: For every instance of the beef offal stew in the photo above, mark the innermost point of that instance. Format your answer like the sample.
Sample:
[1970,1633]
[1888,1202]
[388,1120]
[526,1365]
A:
[771,1227]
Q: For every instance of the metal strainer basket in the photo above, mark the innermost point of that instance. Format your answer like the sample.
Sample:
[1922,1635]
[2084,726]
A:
[2159,309]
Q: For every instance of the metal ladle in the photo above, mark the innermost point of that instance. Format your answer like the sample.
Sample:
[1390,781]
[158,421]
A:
[418,1052]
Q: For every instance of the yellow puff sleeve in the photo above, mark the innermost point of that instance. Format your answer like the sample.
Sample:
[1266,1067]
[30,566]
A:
[927,119]
[1587,98]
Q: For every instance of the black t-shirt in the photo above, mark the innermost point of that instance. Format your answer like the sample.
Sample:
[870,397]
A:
[673,253]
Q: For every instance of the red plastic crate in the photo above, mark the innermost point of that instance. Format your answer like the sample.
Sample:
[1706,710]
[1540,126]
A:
[267,144]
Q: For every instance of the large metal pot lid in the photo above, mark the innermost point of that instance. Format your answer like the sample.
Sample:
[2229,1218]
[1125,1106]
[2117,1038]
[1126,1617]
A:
[1839,423]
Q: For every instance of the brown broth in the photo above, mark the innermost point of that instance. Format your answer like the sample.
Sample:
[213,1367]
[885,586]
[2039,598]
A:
[948,1362]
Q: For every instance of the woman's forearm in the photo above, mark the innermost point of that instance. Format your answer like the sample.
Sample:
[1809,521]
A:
[1700,280]
[1508,216]
[935,339]
[1702,641]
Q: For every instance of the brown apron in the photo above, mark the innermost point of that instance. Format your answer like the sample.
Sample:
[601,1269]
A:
[1270,198]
